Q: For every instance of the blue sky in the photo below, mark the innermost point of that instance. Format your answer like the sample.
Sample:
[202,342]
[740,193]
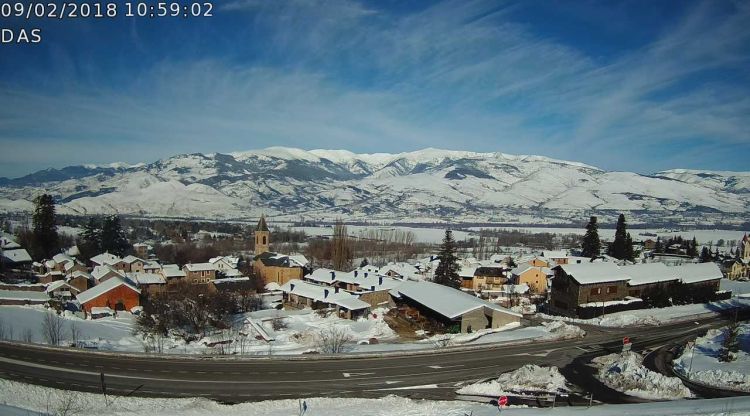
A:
[632,85]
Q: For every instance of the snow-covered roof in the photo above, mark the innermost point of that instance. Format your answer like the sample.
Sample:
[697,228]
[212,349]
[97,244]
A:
[73,251]
[365,280]
[172,270]
[142,278]
[79,273]
[324,294]
[50,264]
[299,260]
[101,310]
[699,272]
[590,273]
[272,287]
[467,271]
[57,284]
[101,271]
[444,300]
[232,273]
[8,241]
[200,267]
[105,287]
[18,255]
[62,258]
[232,279]
[151,265]
[130,259]
[645,273]
[555,254]
[105,258]
[24,295]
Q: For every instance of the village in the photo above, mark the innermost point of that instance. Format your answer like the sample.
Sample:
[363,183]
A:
[239,303]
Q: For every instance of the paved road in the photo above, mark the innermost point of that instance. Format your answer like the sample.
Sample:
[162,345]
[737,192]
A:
[229,379]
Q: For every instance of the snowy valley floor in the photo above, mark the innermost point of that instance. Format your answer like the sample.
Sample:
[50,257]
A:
[17,399]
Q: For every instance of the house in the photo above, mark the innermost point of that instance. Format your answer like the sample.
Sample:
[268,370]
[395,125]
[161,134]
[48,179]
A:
[274,267]
[105,259]
[575,285]
[298,293]
[535,277]
[62,290]
[80,280]
[224,263]
[649,276]
[172,272]
[116,293]
[105,272]
[151,266]
[740,267]
[16,258]
[142,250]
[132,264]
[199,273]
[372,288]
[556,256]
[51,276]
[148,282]
[450,307]
[23,297]
[703,276]
[485,278]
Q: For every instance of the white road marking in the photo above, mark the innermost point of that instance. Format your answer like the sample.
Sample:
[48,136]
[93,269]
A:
[347,375]
[437,367]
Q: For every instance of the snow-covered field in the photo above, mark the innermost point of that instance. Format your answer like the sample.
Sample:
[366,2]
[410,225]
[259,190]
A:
[26,399]
[625,372]
[298,333]
[701,361]
[657,316]
[529,378]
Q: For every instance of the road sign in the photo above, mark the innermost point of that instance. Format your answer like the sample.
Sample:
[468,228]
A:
[502,401]
[625,340]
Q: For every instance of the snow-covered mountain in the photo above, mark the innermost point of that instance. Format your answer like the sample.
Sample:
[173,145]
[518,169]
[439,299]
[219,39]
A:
[421,186]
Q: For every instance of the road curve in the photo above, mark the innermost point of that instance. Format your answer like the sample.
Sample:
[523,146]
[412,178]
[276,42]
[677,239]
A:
[433,374]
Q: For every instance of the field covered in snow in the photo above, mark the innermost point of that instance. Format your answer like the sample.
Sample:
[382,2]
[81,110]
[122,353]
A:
[657,316]
[292,332]
[700,362]
[625,372]
[25,399]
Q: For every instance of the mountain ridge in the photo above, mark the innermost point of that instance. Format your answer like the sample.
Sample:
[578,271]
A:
[427,184]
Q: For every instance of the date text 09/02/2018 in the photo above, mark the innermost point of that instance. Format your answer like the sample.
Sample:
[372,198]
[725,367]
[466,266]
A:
[96,10]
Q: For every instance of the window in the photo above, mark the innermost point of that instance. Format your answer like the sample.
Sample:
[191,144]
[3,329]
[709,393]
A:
[611,289]
[264,240]
[596,290]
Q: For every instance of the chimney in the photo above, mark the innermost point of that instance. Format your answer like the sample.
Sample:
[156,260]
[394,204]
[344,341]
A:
[365,275]
[325,293]
[333,275]
[291,287]
[380,280]
[337,289]
[356,273]
[372,288]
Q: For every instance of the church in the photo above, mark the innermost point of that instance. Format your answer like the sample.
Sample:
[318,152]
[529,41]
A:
[740,268]
[274,267]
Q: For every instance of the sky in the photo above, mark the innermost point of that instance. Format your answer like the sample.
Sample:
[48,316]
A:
[622,85]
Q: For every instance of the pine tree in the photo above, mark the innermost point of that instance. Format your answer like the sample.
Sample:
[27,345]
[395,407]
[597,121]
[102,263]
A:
[446,272]
[629,254]
[364,262]
[659,246]
[90,241]
[619,246]
[45,238]
[113,238]
[692,249]
[591,243]
[705,255]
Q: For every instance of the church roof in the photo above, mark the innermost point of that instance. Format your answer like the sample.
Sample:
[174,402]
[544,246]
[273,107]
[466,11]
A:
[262,224]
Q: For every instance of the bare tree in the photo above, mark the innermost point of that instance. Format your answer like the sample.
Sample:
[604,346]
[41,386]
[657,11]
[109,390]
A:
[341,251]
[28,336]
[333,340]
[52,328]
[75,333]
[442,341]
[2,329]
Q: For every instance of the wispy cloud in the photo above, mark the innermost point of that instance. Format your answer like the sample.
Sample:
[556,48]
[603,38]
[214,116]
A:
[458,74]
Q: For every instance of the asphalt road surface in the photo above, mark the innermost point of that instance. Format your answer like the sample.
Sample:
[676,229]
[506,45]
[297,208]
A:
[434,374]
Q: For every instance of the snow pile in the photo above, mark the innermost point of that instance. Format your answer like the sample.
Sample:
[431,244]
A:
[701,361]
[529,378]
[561,330]
[625,372]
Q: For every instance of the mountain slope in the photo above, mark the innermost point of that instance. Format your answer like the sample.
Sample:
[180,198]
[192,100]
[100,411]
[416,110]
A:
[425,185]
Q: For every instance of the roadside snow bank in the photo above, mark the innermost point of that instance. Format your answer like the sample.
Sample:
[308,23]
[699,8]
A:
[561,330]
[529,378]
[625,372]
[701,361]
